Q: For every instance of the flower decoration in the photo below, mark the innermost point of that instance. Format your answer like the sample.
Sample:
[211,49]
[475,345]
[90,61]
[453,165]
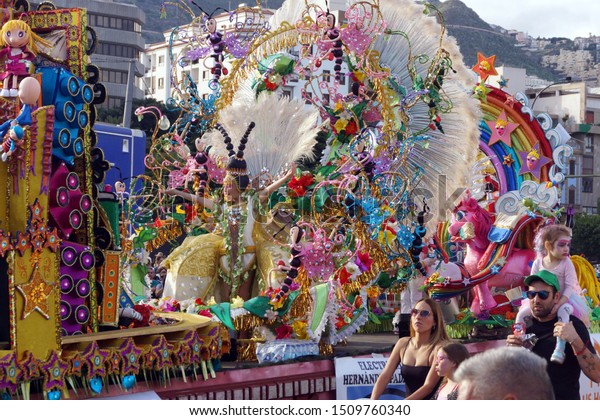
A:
[344,276]
[145,311]
[283,331]
[363,261]
[299,186]
[299,328]
[237,302]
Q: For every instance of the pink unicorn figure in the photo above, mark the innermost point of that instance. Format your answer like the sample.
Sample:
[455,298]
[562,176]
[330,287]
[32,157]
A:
[489,264]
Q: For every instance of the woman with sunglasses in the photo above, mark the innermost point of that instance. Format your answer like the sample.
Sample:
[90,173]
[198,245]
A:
[553,244]
[416,354]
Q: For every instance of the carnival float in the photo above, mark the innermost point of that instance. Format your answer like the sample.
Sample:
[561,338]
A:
[285,218]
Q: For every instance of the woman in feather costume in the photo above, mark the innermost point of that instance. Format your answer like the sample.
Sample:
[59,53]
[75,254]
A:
[274,132]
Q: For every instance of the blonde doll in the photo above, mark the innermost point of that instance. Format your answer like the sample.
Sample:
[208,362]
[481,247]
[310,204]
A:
[20,45]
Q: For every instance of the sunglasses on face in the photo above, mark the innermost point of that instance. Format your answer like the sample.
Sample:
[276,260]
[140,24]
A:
[424,313]
[542,294]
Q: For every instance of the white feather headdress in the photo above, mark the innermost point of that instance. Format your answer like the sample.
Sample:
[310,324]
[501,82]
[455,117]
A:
[285,131]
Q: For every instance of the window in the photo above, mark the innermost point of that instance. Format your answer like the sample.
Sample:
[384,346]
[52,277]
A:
[589,144]
[307,98]
[161,60]
[326,76]
[587,185]
[205,74]
[571,195]
[286,93]
[326,99]
[161,83]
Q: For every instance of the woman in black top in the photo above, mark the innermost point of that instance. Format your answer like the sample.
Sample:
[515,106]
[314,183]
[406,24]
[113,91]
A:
[417,353]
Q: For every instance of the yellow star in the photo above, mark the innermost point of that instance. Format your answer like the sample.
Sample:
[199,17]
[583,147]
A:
[35,293]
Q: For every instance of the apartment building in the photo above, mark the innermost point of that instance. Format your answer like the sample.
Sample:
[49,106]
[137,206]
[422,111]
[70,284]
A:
[159,66]
[576,106]
[118,27]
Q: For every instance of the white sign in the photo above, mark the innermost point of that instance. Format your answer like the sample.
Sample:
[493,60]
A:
[587,389]
[356,376]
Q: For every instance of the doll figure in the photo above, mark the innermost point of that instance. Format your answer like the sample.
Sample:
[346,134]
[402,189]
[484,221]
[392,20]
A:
[19,45]
[14,137]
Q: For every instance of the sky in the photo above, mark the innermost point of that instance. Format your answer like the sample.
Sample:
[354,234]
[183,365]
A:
[544,18]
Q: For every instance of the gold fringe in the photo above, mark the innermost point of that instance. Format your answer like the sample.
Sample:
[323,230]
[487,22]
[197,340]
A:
[325,349]
[247,322]
[247,350]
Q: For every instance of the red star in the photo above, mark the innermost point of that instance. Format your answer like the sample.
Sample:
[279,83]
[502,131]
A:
[485,66]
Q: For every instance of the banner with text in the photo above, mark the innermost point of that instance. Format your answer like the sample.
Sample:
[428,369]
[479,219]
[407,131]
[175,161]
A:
[356,376]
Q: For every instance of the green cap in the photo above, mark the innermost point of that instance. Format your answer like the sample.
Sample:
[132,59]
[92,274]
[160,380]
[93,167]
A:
[546,276]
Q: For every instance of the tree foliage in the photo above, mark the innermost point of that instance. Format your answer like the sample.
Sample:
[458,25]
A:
[586,237]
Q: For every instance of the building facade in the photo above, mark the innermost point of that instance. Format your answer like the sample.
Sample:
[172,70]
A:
[118,27]
[159,67]
[577,107]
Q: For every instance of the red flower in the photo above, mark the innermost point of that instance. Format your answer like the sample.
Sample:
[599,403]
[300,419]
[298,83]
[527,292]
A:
[270,86]
[343,276]
[190,213]
[199,302]
[351,128]
[283,331]
[363,261]
[206,313]
[339,322]
[144,311]
[298,186]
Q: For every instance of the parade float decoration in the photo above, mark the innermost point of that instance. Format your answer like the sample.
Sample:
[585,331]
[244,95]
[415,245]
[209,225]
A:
[514,189]
[380,131]
[63,295]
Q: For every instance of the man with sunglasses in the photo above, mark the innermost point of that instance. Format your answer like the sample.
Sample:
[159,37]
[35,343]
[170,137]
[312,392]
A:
[543,294]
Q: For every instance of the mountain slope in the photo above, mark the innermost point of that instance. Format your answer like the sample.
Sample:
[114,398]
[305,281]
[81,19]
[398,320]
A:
[475,35]
[471,32]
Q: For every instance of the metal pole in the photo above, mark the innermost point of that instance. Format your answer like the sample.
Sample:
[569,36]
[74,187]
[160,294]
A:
[129,95]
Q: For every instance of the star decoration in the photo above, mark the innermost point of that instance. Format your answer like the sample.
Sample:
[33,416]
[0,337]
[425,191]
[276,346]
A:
[480,92]
[510,101]
[533,161]
[5,244]
[162,351]
[508,160]
[495,269]
[29,365]
[36,213]
[52,239]
[12,371]
[195,343]
[501,130]
[54,370]
[95,359]
[130,355]
[22,243]
[503,82]
[36,293]
[75,364]
[485,66]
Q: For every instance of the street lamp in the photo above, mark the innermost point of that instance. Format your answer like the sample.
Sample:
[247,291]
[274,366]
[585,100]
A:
[567,80]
